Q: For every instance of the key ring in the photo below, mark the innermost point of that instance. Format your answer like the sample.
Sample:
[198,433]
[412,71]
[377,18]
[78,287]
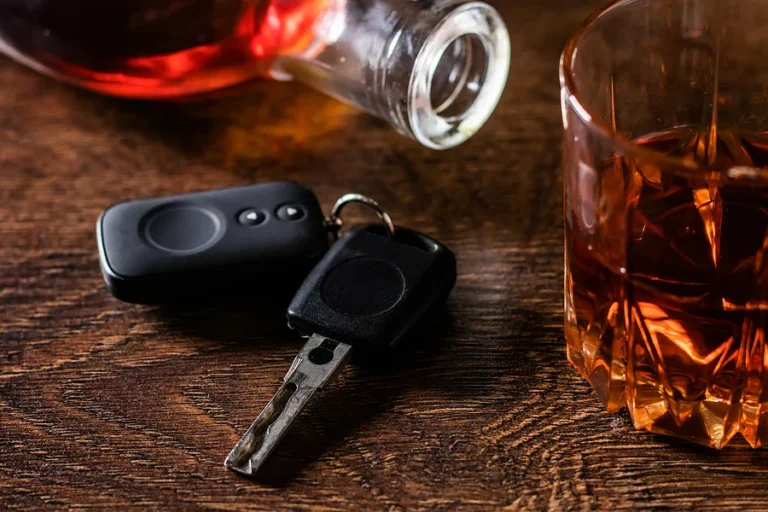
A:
[334,222]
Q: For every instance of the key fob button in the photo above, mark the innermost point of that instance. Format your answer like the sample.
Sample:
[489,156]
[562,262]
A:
[290,212]
[252,218]
[363,286]
[182,229]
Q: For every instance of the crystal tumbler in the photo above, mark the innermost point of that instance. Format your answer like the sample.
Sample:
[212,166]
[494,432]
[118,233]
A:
[665,108]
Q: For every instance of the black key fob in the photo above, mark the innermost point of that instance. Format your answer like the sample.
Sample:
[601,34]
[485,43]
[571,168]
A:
[370,289]
[247,240]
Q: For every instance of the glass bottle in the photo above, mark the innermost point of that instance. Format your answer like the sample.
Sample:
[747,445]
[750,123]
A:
[434,69]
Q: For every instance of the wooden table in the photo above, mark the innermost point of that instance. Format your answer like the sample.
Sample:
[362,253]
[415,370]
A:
[107,404]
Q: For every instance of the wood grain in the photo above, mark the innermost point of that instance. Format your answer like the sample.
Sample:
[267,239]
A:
[105,405]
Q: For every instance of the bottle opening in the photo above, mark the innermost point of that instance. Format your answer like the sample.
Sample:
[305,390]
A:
[459,76]
[435,69]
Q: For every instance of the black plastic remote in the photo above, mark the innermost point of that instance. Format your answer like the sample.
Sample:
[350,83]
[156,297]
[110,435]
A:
[196,246]
[369,290]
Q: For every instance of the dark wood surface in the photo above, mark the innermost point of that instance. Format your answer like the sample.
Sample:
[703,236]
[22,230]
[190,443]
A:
[106,404]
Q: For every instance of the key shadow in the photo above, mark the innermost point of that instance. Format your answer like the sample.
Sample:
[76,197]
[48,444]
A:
[231,321]
[524,350]
[351,401]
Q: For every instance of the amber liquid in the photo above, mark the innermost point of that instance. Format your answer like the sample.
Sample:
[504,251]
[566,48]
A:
[667,287]
[156,48]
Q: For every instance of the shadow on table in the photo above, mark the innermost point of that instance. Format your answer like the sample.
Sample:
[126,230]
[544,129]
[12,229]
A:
[520,350]
[237,319]
[737,452]
[261,120]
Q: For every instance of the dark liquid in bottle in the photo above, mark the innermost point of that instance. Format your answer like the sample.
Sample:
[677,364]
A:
[156,48]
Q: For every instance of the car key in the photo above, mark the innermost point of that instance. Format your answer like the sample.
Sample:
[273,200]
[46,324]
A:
[215,243]
[367,293]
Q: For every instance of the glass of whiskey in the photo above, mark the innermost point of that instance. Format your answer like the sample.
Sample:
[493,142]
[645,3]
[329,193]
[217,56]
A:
[665,108]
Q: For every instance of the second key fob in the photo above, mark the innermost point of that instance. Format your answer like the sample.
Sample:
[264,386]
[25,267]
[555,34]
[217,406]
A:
[198,246]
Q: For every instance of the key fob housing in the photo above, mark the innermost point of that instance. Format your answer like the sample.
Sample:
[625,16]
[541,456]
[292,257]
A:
[371,290]
[252,239]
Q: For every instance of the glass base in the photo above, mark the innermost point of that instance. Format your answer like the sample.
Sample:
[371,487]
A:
[621,381]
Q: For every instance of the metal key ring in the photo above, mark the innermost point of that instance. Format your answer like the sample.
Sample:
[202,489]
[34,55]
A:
[334,222]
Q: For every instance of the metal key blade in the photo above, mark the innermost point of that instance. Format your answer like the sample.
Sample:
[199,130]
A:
[317,363]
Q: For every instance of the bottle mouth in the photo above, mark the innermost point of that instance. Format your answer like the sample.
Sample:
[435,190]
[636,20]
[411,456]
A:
[459,76]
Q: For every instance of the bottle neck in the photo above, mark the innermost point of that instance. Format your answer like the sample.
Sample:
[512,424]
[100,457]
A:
[434,69]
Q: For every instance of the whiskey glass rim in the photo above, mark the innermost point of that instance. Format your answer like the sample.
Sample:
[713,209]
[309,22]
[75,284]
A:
[624,145]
